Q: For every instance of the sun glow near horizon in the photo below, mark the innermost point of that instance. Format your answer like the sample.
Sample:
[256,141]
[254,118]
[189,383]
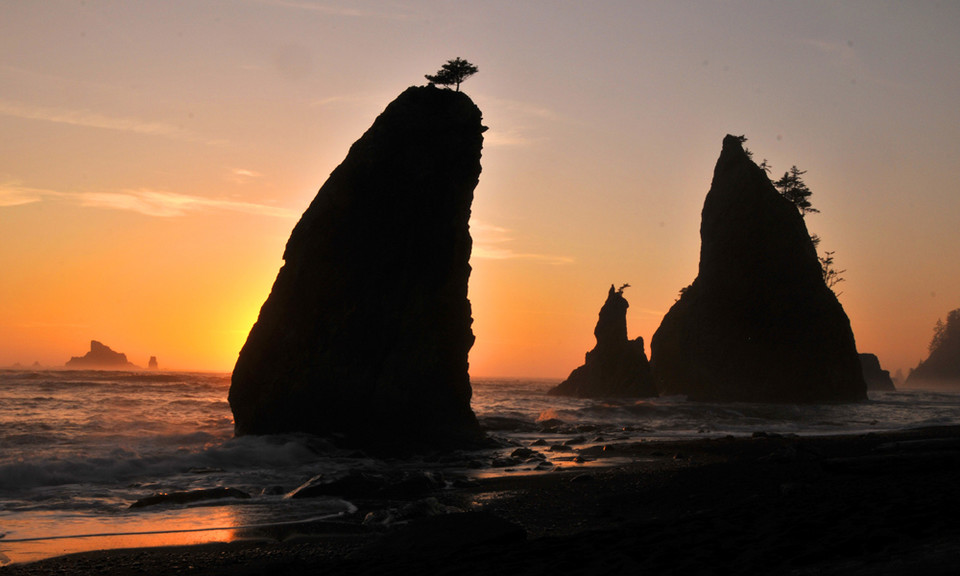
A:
[149,181]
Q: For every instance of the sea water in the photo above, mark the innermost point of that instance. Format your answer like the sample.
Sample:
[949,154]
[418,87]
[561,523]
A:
[77,448]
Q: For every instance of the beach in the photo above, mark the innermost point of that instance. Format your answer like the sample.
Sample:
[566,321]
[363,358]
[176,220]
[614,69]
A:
[874,503]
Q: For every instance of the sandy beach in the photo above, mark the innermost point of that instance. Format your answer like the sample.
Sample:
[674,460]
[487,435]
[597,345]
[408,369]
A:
[879,503]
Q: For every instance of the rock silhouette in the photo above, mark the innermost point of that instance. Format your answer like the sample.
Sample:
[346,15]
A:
[366,331]
[152,364]
[617,366]
[100,357]
[942,366]
[758,324]
[876,377]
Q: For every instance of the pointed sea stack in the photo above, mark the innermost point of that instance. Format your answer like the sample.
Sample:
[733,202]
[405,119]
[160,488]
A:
[617,366]
[758,324]
[366,331]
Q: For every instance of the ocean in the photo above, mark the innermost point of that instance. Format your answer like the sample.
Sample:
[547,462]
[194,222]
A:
[77,448]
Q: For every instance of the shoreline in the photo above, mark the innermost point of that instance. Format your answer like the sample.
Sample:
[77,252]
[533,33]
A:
[881,502]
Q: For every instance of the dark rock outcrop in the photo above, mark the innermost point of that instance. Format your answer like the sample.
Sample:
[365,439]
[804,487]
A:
[758,324]
[366,331]
[617,366]
[876,377]
[942,366]
[153,364]
[100,357]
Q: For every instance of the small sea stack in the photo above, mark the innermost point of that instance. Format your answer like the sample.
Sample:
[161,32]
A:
[875,376]
[153,364]
[617,366]
[365,334]
[100,357]
[758,324]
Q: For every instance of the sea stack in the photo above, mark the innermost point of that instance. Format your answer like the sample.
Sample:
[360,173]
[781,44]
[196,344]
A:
[758,324]
[876,377]
[100,357]
[617,366]
[365,334]
[153,364]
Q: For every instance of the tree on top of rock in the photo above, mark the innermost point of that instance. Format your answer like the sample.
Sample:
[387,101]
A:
[453,73]
[793,188]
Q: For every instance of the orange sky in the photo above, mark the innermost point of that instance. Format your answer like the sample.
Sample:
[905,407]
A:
[156,156]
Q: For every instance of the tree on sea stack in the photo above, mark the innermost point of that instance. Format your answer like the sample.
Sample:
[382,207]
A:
[453,73]
[793,188]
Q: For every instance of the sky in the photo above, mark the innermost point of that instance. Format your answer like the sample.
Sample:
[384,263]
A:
[156,155]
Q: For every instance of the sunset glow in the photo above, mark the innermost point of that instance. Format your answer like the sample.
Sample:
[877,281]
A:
[157,155]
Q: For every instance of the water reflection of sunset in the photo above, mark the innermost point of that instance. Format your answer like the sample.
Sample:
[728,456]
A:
[32,536]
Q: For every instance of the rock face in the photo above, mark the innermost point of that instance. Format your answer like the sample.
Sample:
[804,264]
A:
[100,357]
[876,377]
[616,366]
[758,324]
[366,331]
[942,367]
[152,364]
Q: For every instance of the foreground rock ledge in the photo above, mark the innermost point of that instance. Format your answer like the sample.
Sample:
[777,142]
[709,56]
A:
[366,331]
[758,324]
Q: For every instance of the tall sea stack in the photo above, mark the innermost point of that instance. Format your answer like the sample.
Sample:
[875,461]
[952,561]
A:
[758,324]
[617,366]
[366,331]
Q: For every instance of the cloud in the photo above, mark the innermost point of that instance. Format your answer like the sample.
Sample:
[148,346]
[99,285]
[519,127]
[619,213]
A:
[168,204]
[143,201]
[90,119]
[12,194]
[505,139]
[242,175]
[489,243]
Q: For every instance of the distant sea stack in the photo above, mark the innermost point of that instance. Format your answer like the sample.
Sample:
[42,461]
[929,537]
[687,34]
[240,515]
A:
[153,364]
[100,357]
[758,324]
[942,366]
[617,366]
[876,377]
[366,331]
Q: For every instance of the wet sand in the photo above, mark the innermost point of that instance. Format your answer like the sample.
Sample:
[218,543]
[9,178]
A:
[881,503]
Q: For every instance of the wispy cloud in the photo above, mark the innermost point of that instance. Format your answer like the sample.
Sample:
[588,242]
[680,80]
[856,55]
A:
[523,119]
[168,204]
[144,201]
[12,194]
[242,175]
[330,100]
[90,119]
[505,139]
[491,243]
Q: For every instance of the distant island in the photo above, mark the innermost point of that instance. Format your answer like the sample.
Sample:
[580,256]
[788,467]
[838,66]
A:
[100,357]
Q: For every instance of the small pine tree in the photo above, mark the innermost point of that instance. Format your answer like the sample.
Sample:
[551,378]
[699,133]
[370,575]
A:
[453,73]
[793,188]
